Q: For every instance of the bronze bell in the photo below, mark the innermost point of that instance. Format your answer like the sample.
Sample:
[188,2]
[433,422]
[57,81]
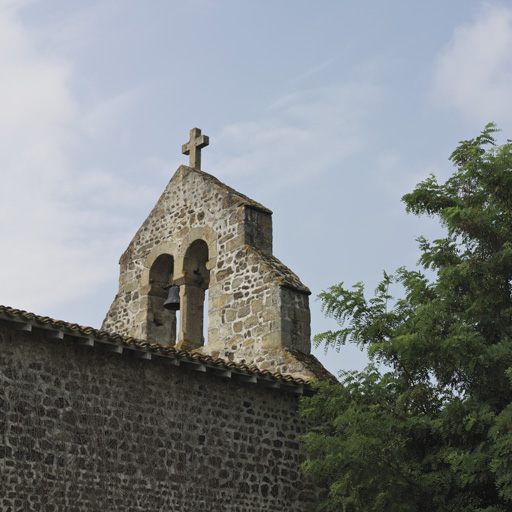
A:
[173,300]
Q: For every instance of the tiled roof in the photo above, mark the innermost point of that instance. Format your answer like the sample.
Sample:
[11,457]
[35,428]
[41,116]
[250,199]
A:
[312,364]
[118,343]
[279,272]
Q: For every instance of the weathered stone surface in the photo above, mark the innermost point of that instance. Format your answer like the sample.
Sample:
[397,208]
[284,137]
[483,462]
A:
[193,147]
[85,430]
[203,235]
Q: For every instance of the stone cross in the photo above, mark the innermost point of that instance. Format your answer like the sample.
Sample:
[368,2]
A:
[193,147]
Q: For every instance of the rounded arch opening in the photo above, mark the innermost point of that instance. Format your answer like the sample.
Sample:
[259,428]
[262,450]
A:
[160,274]
[161,323]
[193,292]
[194,264]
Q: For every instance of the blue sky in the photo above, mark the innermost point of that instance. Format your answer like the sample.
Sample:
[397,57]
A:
[326,112]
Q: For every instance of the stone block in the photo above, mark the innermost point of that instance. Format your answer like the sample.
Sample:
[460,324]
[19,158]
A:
[215,318]
[235,243]
[223,274]
[271,340]
[236,339]
[257,305]
[230,315]
[258,330]
[218,302]
[141,316]
[237,282]
[133,307]
[225,330]
[244,311]
[270,315]
[251,322]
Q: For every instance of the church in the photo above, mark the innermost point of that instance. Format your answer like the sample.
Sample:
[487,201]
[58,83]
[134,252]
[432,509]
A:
[186,398]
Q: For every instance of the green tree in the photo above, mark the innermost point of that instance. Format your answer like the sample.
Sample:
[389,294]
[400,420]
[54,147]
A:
[427,426]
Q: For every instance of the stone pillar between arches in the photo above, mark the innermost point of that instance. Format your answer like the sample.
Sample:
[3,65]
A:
[190,334]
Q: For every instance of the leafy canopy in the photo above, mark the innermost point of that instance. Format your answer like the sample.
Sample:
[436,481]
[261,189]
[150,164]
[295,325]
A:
[428,428]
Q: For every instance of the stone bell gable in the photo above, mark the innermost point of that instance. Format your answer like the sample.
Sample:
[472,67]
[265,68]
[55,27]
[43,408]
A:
[203,235]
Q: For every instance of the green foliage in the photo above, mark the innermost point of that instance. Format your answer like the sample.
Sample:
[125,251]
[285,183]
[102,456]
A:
[428,425]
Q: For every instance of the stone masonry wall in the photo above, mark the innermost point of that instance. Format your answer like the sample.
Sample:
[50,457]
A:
[251,293]
[82,429]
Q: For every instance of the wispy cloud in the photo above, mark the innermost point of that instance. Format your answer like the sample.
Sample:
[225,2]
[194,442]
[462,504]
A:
[313,71]
[473,73]
[64,221]
[60,225]
[301,134]
[105,114]
[396,173]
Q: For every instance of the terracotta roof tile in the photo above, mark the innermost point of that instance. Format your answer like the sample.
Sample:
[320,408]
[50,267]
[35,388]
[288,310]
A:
[18,315]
